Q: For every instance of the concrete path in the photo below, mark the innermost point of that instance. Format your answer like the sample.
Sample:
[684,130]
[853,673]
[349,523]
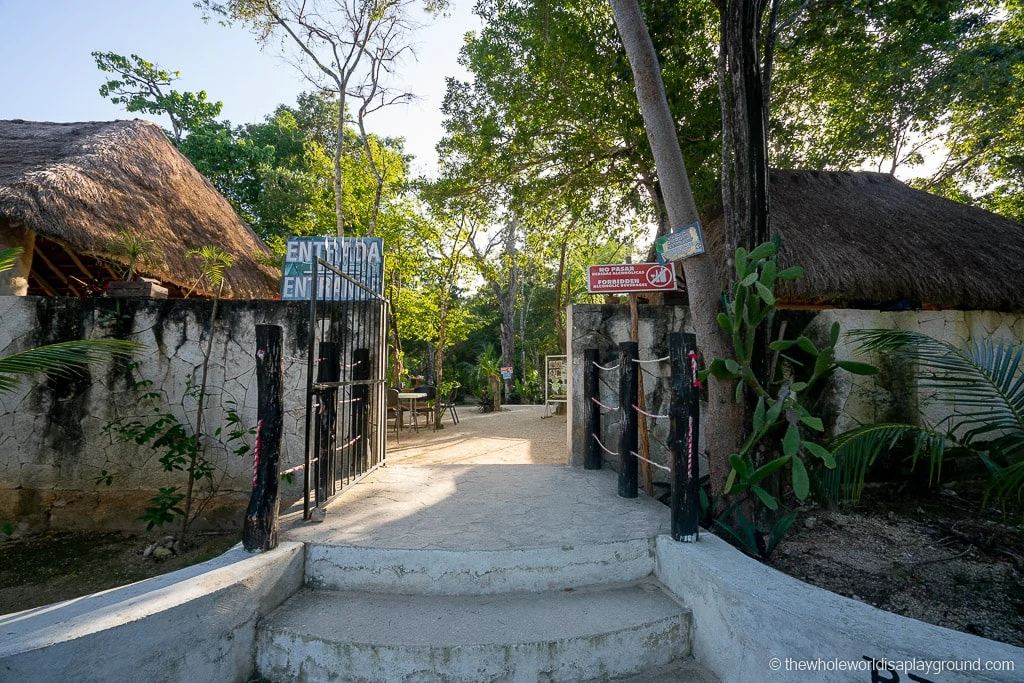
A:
[495,481]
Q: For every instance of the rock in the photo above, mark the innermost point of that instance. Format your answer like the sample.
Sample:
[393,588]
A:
[162,553]
[149,549]
[810,522]
[317,515]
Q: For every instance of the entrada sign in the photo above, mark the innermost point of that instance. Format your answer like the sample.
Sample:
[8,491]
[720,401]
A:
[631,277]
[361,258]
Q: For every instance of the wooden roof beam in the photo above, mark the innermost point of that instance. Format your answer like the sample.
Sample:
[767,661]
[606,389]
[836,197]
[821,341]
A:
[56,271]
[78,262]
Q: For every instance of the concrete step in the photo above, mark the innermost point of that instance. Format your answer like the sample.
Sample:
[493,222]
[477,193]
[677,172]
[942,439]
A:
[450,572]
[587,634]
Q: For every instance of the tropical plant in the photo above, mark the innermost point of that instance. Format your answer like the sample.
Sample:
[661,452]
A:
[135,249]
[780,413]
[59,359]
[983,378]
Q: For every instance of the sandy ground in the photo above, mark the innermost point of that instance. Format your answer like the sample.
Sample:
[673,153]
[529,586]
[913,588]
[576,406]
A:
[515,435]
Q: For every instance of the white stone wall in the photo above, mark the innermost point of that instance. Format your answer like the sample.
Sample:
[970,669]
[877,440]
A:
[52,441]
[893,395]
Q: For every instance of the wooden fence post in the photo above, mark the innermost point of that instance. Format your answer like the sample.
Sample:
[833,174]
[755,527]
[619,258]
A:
[592,453]
[629,440]
[684,416]
[260,528]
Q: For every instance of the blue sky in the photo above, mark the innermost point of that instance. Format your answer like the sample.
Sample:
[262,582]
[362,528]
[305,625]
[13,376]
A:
[47,73]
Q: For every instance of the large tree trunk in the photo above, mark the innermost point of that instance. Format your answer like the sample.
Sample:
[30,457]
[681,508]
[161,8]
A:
[724,416]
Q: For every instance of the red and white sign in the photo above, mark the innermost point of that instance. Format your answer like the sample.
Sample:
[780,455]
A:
[630,277]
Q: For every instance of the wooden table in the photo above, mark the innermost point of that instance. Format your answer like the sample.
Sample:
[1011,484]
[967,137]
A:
[413,397]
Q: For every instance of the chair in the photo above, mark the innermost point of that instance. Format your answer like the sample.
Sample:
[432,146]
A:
[448,403]
[425,405]
[394,410]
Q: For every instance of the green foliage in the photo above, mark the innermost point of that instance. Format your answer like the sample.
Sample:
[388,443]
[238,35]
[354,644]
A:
[780,415]
[61,359]
[8,257]
[781,424]
[135,249]
[747,538]
[984,379]
[180,450]
[214,263]
[142,86]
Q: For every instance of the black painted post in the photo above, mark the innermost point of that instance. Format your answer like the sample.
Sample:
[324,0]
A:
[629,440]
[260,527]
[592,453]
[684,416]
[329,370]
[360,408]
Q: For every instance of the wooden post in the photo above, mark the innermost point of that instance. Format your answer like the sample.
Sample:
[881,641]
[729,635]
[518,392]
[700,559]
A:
[260,528]
[684,415]
[644,443]
[592,453]
[628,436]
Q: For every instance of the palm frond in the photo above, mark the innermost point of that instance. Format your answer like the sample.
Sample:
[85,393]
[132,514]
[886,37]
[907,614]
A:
[856,450]
[8,257]
[984,379]
[61,358]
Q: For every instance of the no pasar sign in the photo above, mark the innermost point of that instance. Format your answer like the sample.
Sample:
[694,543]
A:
[630,277]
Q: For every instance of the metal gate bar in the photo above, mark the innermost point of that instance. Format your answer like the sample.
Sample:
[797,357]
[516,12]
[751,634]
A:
[345,434]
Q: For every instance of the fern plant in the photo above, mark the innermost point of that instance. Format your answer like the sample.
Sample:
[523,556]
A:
[985,380]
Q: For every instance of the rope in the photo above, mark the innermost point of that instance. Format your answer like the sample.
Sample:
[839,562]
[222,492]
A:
[343,446]
[651,360]
[603,448]
[644,412]
[351,365]
[650,462]
[603,405]
[299,467]
[610,367]
[693,367]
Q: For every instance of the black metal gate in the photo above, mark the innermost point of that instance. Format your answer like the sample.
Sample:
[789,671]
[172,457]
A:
[345,400]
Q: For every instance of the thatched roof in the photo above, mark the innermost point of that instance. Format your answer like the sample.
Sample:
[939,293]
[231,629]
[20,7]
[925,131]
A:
[77,184]
[867,240]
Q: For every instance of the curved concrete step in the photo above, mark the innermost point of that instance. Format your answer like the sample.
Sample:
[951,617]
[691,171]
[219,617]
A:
[451,572]
[570,635]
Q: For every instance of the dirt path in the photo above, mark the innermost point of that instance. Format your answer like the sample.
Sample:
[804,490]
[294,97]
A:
[516,434]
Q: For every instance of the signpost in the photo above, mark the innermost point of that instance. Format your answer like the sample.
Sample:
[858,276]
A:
[506,372]
[361,258]
[631,277]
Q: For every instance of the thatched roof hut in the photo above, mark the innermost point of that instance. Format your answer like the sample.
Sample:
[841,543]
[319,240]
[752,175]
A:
[68,189]
[867,240]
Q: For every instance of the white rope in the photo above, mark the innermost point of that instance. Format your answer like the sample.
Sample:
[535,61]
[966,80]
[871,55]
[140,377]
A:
[651,360]
[603,448]
[644,412]
[603,405]
[348,444]
[351,365]
[650,462]
[300,467]
[610,367]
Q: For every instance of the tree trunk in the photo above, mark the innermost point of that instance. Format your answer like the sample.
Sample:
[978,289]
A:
[339,212]
[701,278]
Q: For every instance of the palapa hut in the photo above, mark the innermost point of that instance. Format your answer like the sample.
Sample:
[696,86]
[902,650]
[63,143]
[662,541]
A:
[68,189]
[869,241]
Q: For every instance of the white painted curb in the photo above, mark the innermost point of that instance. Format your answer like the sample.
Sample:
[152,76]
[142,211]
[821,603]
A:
[195,624]
[752,622]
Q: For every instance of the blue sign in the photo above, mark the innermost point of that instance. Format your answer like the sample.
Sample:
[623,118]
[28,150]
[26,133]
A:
[360,258]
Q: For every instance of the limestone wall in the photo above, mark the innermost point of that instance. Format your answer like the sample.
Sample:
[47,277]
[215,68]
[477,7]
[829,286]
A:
[53,444]
[604,327]
[893,395]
